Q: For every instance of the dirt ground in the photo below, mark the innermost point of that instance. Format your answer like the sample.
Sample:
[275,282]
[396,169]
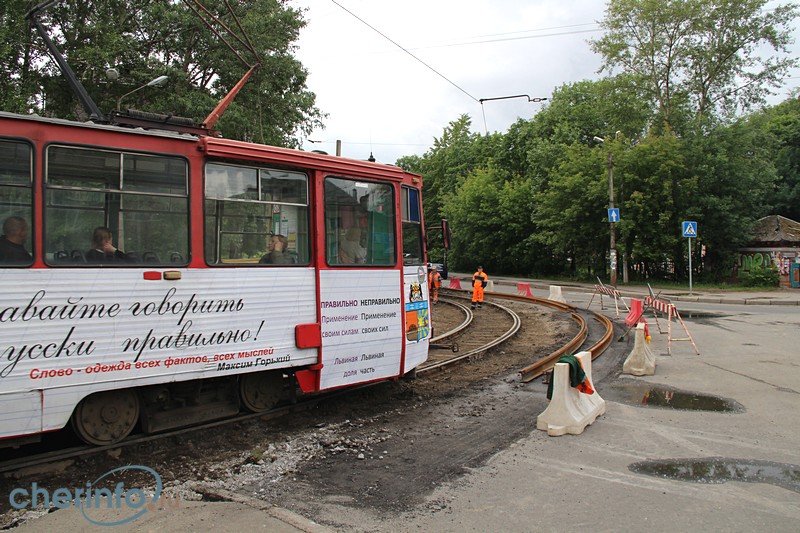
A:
[377,450]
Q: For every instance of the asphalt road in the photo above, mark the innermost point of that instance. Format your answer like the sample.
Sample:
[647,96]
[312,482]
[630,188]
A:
[748,353]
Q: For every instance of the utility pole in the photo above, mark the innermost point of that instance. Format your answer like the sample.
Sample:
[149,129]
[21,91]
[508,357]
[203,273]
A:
[613,246]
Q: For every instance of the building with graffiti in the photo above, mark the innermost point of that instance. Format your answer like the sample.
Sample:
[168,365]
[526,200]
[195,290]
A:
[776,242]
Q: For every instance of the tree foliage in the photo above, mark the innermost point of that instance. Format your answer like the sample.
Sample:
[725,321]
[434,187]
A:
[143,39]
[534,200]
[697,60]
[781,126]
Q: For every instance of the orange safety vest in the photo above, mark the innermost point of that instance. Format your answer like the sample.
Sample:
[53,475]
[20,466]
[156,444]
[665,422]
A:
[480,279]
[434,279]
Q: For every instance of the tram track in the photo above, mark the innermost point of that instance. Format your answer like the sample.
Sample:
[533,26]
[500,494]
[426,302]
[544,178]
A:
[483,343]
[305,404]
[544,363]
[495,325]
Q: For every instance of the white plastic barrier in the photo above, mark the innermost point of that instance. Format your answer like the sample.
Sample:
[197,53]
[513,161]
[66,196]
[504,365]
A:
[641,361]
[489,285]
[555,294]
[570,411]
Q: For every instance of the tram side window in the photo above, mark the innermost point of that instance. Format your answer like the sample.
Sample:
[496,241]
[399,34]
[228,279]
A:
[256,216]
[142,199]
[412,227]
[359,223]
[15,203]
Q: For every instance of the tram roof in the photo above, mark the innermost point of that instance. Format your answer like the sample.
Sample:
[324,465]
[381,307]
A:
[220,147]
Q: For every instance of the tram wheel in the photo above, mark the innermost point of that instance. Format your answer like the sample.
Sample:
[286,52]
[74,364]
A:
[260,390]
[106,417]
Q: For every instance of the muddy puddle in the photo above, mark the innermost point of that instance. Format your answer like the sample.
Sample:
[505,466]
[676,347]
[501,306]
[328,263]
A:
[720,470]
[700,315]
[661,396]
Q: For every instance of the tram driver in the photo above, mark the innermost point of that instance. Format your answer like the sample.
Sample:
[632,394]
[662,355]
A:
[350,250]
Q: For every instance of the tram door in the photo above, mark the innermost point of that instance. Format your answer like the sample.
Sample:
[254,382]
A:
[361,303]
[418,329]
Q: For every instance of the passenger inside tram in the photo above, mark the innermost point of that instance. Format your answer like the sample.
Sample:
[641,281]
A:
[12,242]
[103,251]
[277,254]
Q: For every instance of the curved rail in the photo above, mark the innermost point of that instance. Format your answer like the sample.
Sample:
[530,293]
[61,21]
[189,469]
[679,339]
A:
[516,324]
[531,372]
[468,316]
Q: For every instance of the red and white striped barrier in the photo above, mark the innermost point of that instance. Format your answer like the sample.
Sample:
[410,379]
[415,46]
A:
[670,310]
[608,291]
[455,283]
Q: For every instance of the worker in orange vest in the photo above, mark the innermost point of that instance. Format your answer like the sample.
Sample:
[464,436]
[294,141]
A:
[479,281]
[434,283]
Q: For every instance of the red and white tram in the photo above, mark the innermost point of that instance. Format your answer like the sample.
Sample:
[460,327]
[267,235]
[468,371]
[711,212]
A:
[197,318]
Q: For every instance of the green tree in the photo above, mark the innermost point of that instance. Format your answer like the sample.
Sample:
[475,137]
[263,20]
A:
[16,57]
[733,171]
[653,183]
[146,38]
[782,122]
[696,60]
[570,214]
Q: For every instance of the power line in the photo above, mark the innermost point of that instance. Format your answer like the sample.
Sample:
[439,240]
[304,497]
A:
[485,41]
[404,50]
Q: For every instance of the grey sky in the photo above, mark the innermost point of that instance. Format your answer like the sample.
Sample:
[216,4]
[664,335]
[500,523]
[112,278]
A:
[381,100]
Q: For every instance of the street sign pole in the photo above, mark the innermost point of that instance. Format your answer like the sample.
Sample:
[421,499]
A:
[689,231]
[613,244]
[690,266]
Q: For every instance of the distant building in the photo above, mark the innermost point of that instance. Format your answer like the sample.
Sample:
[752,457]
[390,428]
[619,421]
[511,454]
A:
[776,241]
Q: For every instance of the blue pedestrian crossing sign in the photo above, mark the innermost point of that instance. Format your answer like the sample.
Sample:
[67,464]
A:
[613,214]
[689,229]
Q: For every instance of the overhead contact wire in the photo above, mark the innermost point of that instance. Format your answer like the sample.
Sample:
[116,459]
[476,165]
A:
[373,28]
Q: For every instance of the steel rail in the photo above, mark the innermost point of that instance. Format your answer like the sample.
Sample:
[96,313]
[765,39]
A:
[308,402]
[547,362]
[468,317]
[531,372]
[516,324]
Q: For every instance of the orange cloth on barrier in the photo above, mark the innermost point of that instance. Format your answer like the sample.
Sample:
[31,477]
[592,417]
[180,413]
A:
[577,377]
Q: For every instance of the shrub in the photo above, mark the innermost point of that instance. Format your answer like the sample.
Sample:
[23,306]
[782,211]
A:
[760,276]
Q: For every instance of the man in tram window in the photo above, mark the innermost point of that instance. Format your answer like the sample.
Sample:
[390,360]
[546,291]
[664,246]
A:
[103,251]
[434,283]
[12,242]
[277,251]
[479,281]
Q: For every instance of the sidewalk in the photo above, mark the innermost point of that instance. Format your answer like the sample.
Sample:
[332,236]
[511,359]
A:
[780,296]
